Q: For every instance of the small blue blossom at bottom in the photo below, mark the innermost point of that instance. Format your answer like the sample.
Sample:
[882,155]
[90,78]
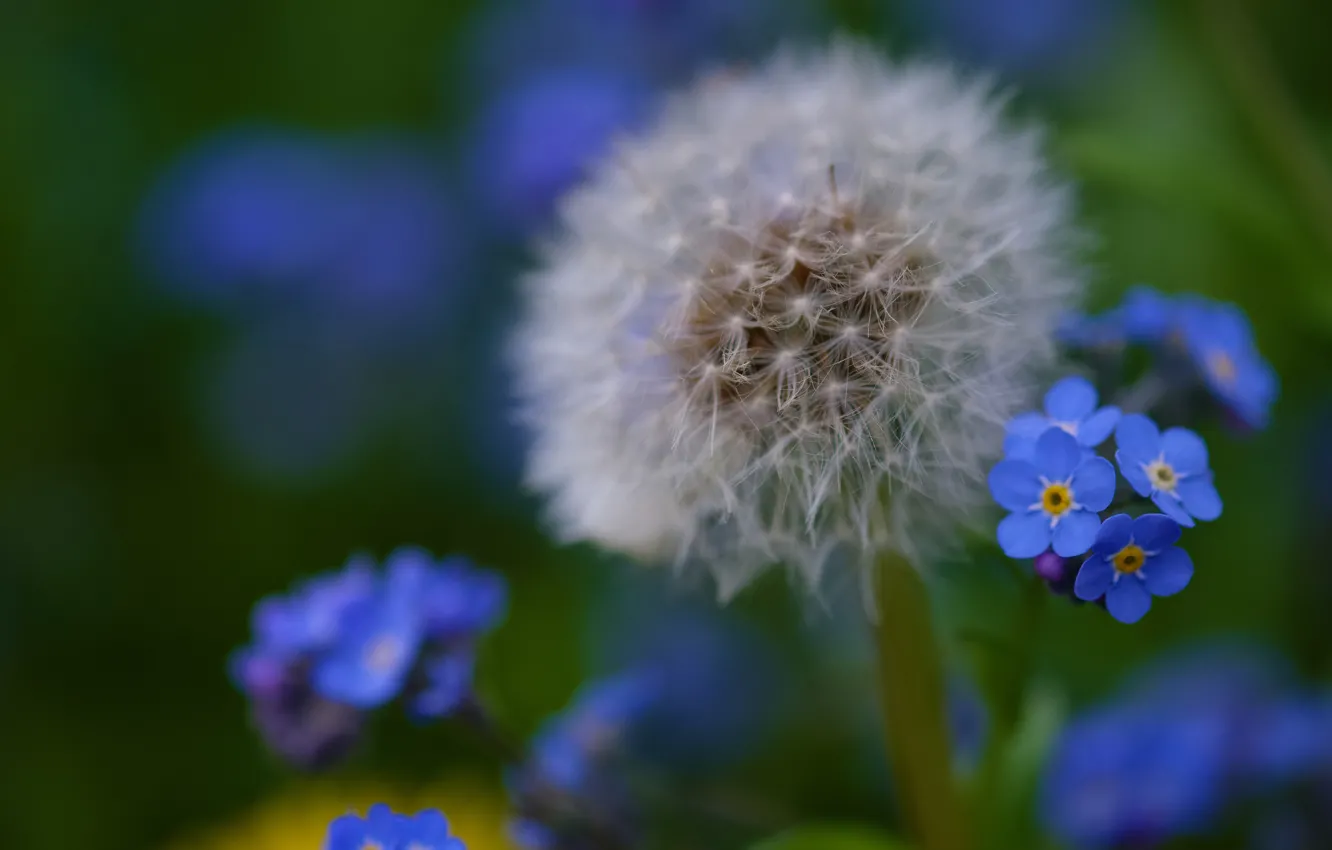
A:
[1054,497]
[1131,561]
[383,829]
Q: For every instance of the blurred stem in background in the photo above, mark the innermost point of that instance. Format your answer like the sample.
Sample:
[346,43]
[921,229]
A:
[912,699]
[1247,68]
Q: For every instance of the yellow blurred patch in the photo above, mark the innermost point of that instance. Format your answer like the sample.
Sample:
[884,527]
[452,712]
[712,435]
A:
[298,818]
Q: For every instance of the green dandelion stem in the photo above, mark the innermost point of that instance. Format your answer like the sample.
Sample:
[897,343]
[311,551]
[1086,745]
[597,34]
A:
[912,698]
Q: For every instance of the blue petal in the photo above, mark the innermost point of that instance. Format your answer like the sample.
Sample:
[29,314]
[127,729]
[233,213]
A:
[1200,497]
[1057,455]
[1134,474]
[1154,532]
[1070,400]
[1024,535]
[1017,447]
[1185,451]
[1029,425]
[1093,484]
[1093,579]
[1128,600]
[1138,438]
[1147,314]
[1015,485]
[1075,533]
[1095,428]
[1168,572]
[1171,506]
[1114,534]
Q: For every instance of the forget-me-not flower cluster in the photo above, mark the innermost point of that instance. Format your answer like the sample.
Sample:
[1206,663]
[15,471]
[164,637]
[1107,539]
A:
[1055,483]
[341,645]
[1055,487]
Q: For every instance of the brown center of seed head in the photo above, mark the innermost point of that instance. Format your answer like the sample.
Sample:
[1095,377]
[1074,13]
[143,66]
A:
[800,326]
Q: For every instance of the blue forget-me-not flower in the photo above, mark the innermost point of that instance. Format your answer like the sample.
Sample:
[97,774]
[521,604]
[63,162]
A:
[1219,340]
[1131,777]
[1170,467]
[344,644]
[1071,405]
[1131,561]
[383,829]
[1054,497]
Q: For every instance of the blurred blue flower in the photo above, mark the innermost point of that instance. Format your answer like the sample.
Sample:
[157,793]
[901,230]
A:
[1054,497]
[1071,405]
[663,42]
[1131,561]
[1126,777]
[445,686]
[1084,330]
[1020,36]
[382,829]
[538,139]
[290,218]
[722,685]
[1225,716]
[568,793]
[1219,339]
[1144,316]
[1285,739]
[340,645]
[1170,467]
[377,647]
[530,834]
[1147,316]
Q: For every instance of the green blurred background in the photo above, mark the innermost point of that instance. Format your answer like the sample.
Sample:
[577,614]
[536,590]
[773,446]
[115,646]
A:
[134,537]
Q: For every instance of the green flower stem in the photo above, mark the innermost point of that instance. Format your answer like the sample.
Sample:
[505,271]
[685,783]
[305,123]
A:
[1008,691]
[1268,108]
[912,695]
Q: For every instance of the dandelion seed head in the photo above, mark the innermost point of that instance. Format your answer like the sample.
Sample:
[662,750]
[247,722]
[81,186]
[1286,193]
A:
[793,317]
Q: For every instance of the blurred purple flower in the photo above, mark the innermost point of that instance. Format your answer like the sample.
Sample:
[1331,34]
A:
[1023,37]
[274,216]
[536,141]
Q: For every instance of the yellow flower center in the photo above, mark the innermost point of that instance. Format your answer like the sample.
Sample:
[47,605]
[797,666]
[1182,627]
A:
[1221,366]
[1162,475]
[1056,499]
[1129,559]
[371,844]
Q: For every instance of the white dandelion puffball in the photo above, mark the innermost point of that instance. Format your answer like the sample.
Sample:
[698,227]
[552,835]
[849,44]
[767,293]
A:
[792,318]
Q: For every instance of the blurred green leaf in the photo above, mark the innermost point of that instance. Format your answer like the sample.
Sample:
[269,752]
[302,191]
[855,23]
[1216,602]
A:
[831,837]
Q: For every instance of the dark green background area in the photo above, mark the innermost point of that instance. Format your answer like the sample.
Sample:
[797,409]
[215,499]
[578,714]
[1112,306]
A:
[131,549]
